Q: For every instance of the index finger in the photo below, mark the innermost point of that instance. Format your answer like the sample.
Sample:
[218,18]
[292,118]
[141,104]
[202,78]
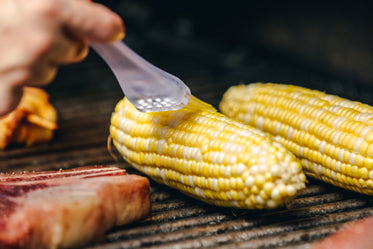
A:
[92,21]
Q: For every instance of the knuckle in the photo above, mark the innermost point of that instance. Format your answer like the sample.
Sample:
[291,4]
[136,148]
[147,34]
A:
[41,43]
[22,76]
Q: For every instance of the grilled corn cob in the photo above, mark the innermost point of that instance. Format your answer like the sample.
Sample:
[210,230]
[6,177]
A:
[207,156]
[332,136]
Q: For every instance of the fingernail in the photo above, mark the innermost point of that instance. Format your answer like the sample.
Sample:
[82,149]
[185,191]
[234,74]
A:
[118,36]
[82,52]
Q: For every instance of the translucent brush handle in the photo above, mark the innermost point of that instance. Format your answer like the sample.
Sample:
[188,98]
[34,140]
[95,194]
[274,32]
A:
[147,87]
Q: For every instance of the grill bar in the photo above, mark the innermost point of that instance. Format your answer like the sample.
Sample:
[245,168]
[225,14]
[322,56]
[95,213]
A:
[174,223]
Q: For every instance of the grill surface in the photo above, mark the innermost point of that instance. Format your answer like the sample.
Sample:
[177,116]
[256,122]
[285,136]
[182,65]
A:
[85,95]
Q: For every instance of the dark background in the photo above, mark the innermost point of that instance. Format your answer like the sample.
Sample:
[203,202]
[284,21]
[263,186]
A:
[332,37]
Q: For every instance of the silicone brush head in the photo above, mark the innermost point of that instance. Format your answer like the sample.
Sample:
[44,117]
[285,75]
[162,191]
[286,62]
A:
[147,87]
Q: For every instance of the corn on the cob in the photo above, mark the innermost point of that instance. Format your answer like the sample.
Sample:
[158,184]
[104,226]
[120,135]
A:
[207,155]
[332,136]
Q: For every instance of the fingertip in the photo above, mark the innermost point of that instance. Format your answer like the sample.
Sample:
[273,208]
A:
[115,26]
[111,29]
[81,53]
[117,37]
[98,23]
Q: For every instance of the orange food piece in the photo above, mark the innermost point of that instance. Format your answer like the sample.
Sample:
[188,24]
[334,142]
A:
[32,122]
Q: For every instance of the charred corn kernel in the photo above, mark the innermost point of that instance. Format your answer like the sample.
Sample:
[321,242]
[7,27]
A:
[207,155]
[332,136]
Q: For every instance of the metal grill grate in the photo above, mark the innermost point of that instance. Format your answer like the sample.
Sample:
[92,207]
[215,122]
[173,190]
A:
[180,222]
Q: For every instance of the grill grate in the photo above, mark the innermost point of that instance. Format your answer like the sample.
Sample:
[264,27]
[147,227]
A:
[181,222]
[85,95]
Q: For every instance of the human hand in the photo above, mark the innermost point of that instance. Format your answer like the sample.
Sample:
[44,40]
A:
[39,35]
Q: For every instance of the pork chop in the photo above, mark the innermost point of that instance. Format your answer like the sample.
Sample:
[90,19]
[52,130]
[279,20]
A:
[68,208]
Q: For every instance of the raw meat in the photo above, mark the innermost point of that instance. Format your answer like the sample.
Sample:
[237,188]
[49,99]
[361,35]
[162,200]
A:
[353,235]
[68,208]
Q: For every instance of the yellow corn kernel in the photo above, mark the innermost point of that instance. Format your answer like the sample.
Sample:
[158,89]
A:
[207,156]
[332,136]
